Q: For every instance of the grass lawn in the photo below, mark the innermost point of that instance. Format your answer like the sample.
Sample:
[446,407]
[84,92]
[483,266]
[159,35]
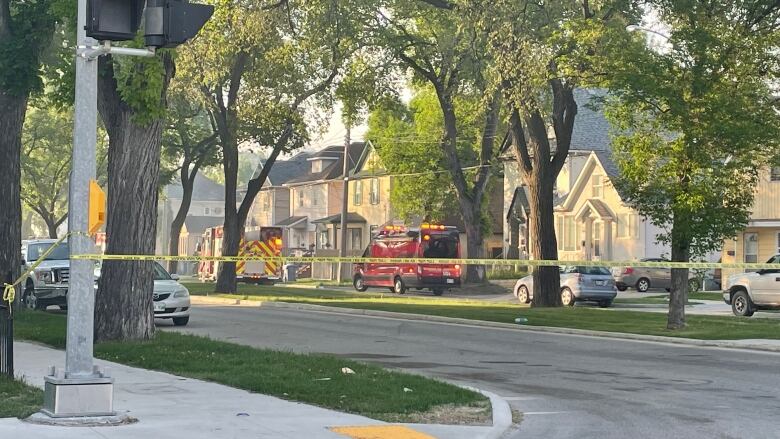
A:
[315,379]
[635,322]
[17,399]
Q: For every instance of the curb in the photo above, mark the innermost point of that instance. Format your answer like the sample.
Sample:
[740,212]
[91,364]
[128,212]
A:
[203,300]
[502,414]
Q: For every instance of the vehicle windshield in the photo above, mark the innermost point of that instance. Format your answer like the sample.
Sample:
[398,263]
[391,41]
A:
[589,270]
[444,247]
[160,273]
[61,252]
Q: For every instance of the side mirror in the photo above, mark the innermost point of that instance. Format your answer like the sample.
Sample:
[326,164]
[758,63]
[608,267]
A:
[175,276]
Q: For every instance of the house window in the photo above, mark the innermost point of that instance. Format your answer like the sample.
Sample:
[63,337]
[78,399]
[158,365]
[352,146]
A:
[628,226]
[597,239]
[314,198]
[355,239]
[597,185]
[751,247]
[206,211]
[300,197]
[357,197]
[323,241]
[217,211]
[569,234]
[267,201]
[374,193]
[559,231]
[778,244]
[775,174]
[316,166]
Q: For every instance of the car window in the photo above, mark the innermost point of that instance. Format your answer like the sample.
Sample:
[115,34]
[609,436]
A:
[160,273]
[774,260]
[589,270]
[61,252]
[440,247]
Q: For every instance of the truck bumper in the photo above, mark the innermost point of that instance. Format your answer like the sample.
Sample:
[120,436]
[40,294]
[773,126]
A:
[414,281]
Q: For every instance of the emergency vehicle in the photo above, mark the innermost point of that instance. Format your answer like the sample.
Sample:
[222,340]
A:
[266,241]
[430,241]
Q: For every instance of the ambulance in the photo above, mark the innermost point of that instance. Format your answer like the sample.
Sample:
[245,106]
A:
[429,241]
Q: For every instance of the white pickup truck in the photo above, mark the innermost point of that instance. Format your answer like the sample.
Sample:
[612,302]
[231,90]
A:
[48,283]
[750,292]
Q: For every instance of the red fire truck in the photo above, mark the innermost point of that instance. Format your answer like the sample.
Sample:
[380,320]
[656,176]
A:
[266,241]
[431,241]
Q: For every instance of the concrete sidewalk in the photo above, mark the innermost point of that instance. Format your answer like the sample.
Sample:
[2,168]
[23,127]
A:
[169,406]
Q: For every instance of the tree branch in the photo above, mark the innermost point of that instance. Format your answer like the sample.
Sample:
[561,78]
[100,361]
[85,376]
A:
[519,143]
[564,112]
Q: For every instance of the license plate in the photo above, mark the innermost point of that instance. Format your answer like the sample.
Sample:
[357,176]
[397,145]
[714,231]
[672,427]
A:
[600,283]
[450,281]
[446,273]
[159,307]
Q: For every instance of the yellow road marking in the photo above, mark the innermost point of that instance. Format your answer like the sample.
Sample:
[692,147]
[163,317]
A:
[380,432]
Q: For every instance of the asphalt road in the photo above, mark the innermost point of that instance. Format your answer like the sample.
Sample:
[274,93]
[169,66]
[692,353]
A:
[566,386]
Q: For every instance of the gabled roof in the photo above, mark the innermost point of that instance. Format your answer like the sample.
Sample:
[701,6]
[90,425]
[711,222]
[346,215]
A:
[199,224]
[283,171]
[203,189]
[291,221]
[333,168]
[602,159]
[519,203]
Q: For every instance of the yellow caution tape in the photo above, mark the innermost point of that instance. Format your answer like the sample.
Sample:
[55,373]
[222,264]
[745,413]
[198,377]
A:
[491,262]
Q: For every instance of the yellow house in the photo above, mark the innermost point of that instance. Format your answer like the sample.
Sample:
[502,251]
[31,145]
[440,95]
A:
[761,239]
[593,223]
[369,193]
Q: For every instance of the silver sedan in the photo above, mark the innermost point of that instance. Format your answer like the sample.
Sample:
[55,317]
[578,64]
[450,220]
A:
[578,284]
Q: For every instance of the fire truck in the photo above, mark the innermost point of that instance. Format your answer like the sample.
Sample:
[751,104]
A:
[430,241]
[266,241]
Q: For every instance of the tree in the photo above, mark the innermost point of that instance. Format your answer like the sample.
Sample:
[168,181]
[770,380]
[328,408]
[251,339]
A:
[438,42]
[696,122]
[26,29]
[540,53]
[47,145]
[255,70]
[190,142]
[131,101]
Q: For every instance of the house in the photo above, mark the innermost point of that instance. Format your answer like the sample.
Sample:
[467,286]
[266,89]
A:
[208,200]
[271,206]
[761,238]
[316,197]
[591,219]
[369,197]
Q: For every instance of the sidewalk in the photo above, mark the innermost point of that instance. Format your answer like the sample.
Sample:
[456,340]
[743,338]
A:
[168,406]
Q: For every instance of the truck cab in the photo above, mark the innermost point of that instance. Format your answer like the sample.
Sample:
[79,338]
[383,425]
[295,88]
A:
[429,241]
[753,291]
[48,283]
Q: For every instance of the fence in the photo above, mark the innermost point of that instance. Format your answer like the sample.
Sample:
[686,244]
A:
[6,341]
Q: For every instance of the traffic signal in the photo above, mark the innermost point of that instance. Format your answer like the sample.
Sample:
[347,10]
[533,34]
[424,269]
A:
[114,20]
[170,23]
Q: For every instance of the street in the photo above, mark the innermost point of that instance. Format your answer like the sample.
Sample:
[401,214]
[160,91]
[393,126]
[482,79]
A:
[566,386]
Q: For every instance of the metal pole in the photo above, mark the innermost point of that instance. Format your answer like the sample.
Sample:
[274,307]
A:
[345,202]
[81,300]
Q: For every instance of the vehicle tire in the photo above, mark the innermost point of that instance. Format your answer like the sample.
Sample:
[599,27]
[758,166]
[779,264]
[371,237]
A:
[642,285]
[359,284]
[741,304]
[567,297]
[181,321]
[437,291]
[605,303]
[398,286]
[693,285]
[31,301]
[64,307]
[522,294]
[622,288]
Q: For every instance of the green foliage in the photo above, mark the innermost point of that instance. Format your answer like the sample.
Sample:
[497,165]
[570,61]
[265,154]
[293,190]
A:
[47,144]
[696,121]
[28,34]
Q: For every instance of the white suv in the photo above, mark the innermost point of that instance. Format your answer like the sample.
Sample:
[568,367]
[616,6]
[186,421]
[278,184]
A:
[750,292]
[48,283]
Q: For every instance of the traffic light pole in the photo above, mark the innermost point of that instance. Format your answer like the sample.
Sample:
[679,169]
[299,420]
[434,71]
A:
[82,390]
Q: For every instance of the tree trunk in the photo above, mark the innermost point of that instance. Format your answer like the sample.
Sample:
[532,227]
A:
[187,183]
[678,296]
[51,225]
[543,243]
[123,303]
[232,231]
[12,111]
[475,250]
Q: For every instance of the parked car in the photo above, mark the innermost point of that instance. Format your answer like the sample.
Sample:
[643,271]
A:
[578,284]
[48,283]
[750,292]
[644,278]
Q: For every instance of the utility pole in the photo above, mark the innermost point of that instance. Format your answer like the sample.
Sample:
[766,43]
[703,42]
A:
[82,390]
[344,203]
